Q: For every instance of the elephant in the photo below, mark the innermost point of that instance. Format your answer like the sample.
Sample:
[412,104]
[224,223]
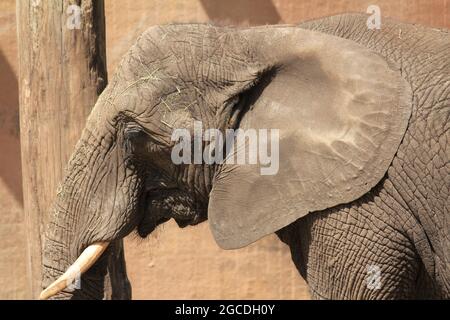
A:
[361,195]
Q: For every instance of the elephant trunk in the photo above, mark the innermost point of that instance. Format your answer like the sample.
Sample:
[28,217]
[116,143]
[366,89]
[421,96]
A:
[96,205]
[63,240]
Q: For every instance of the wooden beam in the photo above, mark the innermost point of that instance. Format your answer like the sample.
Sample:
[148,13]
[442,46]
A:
[62,71]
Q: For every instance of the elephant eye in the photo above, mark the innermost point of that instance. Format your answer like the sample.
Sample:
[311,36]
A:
[133,137]
[134,133]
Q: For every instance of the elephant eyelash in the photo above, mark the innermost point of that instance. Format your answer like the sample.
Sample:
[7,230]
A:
[136,137]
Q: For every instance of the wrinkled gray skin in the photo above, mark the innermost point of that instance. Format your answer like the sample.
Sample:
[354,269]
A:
[121,178]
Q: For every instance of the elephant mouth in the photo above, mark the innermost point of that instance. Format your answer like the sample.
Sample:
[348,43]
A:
[161,205]
[146,227]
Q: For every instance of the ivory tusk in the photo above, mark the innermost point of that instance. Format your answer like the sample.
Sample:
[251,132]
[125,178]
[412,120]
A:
[86,259]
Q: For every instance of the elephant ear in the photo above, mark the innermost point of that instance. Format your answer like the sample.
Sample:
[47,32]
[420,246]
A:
[341,111]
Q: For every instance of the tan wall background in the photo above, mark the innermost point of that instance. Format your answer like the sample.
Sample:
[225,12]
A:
[173,263]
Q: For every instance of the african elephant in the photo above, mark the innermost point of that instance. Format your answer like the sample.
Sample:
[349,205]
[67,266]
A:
[362,187]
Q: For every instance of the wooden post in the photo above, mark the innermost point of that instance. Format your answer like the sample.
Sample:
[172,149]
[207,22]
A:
[62,71]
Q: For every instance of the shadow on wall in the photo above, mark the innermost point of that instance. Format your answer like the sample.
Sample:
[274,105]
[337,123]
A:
[10,159]
[251,12]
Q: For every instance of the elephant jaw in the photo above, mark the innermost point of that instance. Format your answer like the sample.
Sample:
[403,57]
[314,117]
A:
[86,259]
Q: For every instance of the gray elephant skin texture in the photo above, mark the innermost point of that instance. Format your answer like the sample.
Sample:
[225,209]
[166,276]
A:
[361,196]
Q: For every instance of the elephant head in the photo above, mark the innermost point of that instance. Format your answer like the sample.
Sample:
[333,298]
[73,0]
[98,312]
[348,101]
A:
[341,112]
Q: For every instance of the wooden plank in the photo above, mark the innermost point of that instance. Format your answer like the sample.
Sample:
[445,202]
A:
[62,71]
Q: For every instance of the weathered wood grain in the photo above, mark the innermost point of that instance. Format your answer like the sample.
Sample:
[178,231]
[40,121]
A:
[62,71]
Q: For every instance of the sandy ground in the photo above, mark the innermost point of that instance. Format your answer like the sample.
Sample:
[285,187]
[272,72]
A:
[172,263]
